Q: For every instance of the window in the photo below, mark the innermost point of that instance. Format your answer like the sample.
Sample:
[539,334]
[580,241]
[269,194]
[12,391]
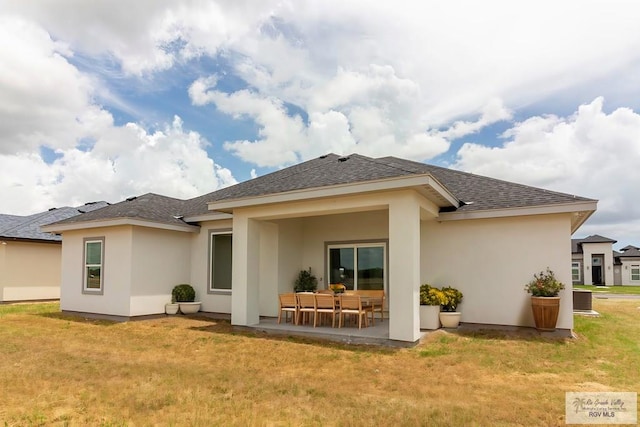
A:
[220,257]
[635,272]
[575,271]
[93,265]
[358,265]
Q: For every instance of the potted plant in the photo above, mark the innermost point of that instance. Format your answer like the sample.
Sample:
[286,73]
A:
[337,288]
[431,299]
[305,282]
[171,307]
[545,302]
[185,296]
[449,316]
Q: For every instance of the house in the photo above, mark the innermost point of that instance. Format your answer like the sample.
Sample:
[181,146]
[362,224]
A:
[628,266]
[385,223]
[30,258]
[594,262]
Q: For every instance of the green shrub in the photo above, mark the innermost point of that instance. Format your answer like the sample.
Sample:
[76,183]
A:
[305,282]
[183,293]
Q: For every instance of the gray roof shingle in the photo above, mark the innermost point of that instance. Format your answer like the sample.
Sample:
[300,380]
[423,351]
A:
[576,244]
[28,227]
[149,207]
[635,253]
[477,192]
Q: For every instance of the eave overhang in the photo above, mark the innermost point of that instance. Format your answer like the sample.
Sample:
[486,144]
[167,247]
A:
[581,211]
[210,216]
[115,222]
[425,184]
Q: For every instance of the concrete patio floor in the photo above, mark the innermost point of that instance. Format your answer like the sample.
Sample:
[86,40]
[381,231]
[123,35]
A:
[348,334]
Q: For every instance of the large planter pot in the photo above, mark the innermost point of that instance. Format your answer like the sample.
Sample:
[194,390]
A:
[545,312]
[450,319]
[171,308]
[429,317]
[189,307]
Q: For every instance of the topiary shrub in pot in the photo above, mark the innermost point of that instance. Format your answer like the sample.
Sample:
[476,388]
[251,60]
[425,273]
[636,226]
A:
[185,296]
[305,282]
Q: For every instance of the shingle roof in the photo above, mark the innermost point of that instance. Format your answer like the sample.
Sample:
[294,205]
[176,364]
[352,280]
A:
[630,253]
[626,248]
[594,238]
[149,207]
[477,192]
[28,227]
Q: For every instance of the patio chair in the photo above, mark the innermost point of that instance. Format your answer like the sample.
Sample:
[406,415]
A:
[306,306]
[325,304]
[352,304]
[375,297]
[288,304]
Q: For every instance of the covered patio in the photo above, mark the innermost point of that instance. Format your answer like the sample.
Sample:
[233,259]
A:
[374,335]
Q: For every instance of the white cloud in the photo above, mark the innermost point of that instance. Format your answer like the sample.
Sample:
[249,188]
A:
[44,99]
[590,153]
[124,161]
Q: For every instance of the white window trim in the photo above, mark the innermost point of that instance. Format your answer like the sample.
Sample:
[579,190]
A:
[634,267]
[85,289]
[210,289]
[359,244]
[576,265]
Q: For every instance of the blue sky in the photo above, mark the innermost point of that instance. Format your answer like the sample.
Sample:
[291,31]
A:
[103,100]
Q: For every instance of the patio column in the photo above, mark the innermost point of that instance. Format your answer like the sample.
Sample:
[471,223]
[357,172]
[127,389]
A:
[404,268]
[245,269]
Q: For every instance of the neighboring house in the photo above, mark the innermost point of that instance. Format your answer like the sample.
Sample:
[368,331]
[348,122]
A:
[384,223]
[29,258]
[628,260]
[594,262]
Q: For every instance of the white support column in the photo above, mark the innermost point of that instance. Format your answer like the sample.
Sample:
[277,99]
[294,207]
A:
[404,268]
[246,261]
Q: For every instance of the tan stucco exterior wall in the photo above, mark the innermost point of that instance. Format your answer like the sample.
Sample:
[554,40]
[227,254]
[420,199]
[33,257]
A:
[140,267]
[117,273]
[29,271]
[491,260]
[161,259]
[625,273]
[219,302]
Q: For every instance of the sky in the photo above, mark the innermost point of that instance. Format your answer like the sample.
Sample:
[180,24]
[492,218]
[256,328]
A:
[103,100]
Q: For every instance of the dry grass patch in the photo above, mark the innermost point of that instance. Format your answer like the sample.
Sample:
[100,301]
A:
[62,370]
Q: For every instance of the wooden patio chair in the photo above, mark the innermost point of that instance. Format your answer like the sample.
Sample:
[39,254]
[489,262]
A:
[376,298]
[325,304]
[306,305]
[288,304]
[352,304]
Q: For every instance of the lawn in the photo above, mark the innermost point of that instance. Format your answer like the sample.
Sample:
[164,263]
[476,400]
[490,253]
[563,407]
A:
[62,370]
[627,290]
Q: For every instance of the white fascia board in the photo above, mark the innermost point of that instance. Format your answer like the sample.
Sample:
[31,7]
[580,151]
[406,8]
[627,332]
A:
[212,216]
[338,190]
[60,228]
[589,206]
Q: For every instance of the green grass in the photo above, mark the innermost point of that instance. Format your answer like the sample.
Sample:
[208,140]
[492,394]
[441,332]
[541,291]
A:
[64,370]
[628,290]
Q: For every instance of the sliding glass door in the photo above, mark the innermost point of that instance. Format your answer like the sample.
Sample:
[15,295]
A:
[358,265]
